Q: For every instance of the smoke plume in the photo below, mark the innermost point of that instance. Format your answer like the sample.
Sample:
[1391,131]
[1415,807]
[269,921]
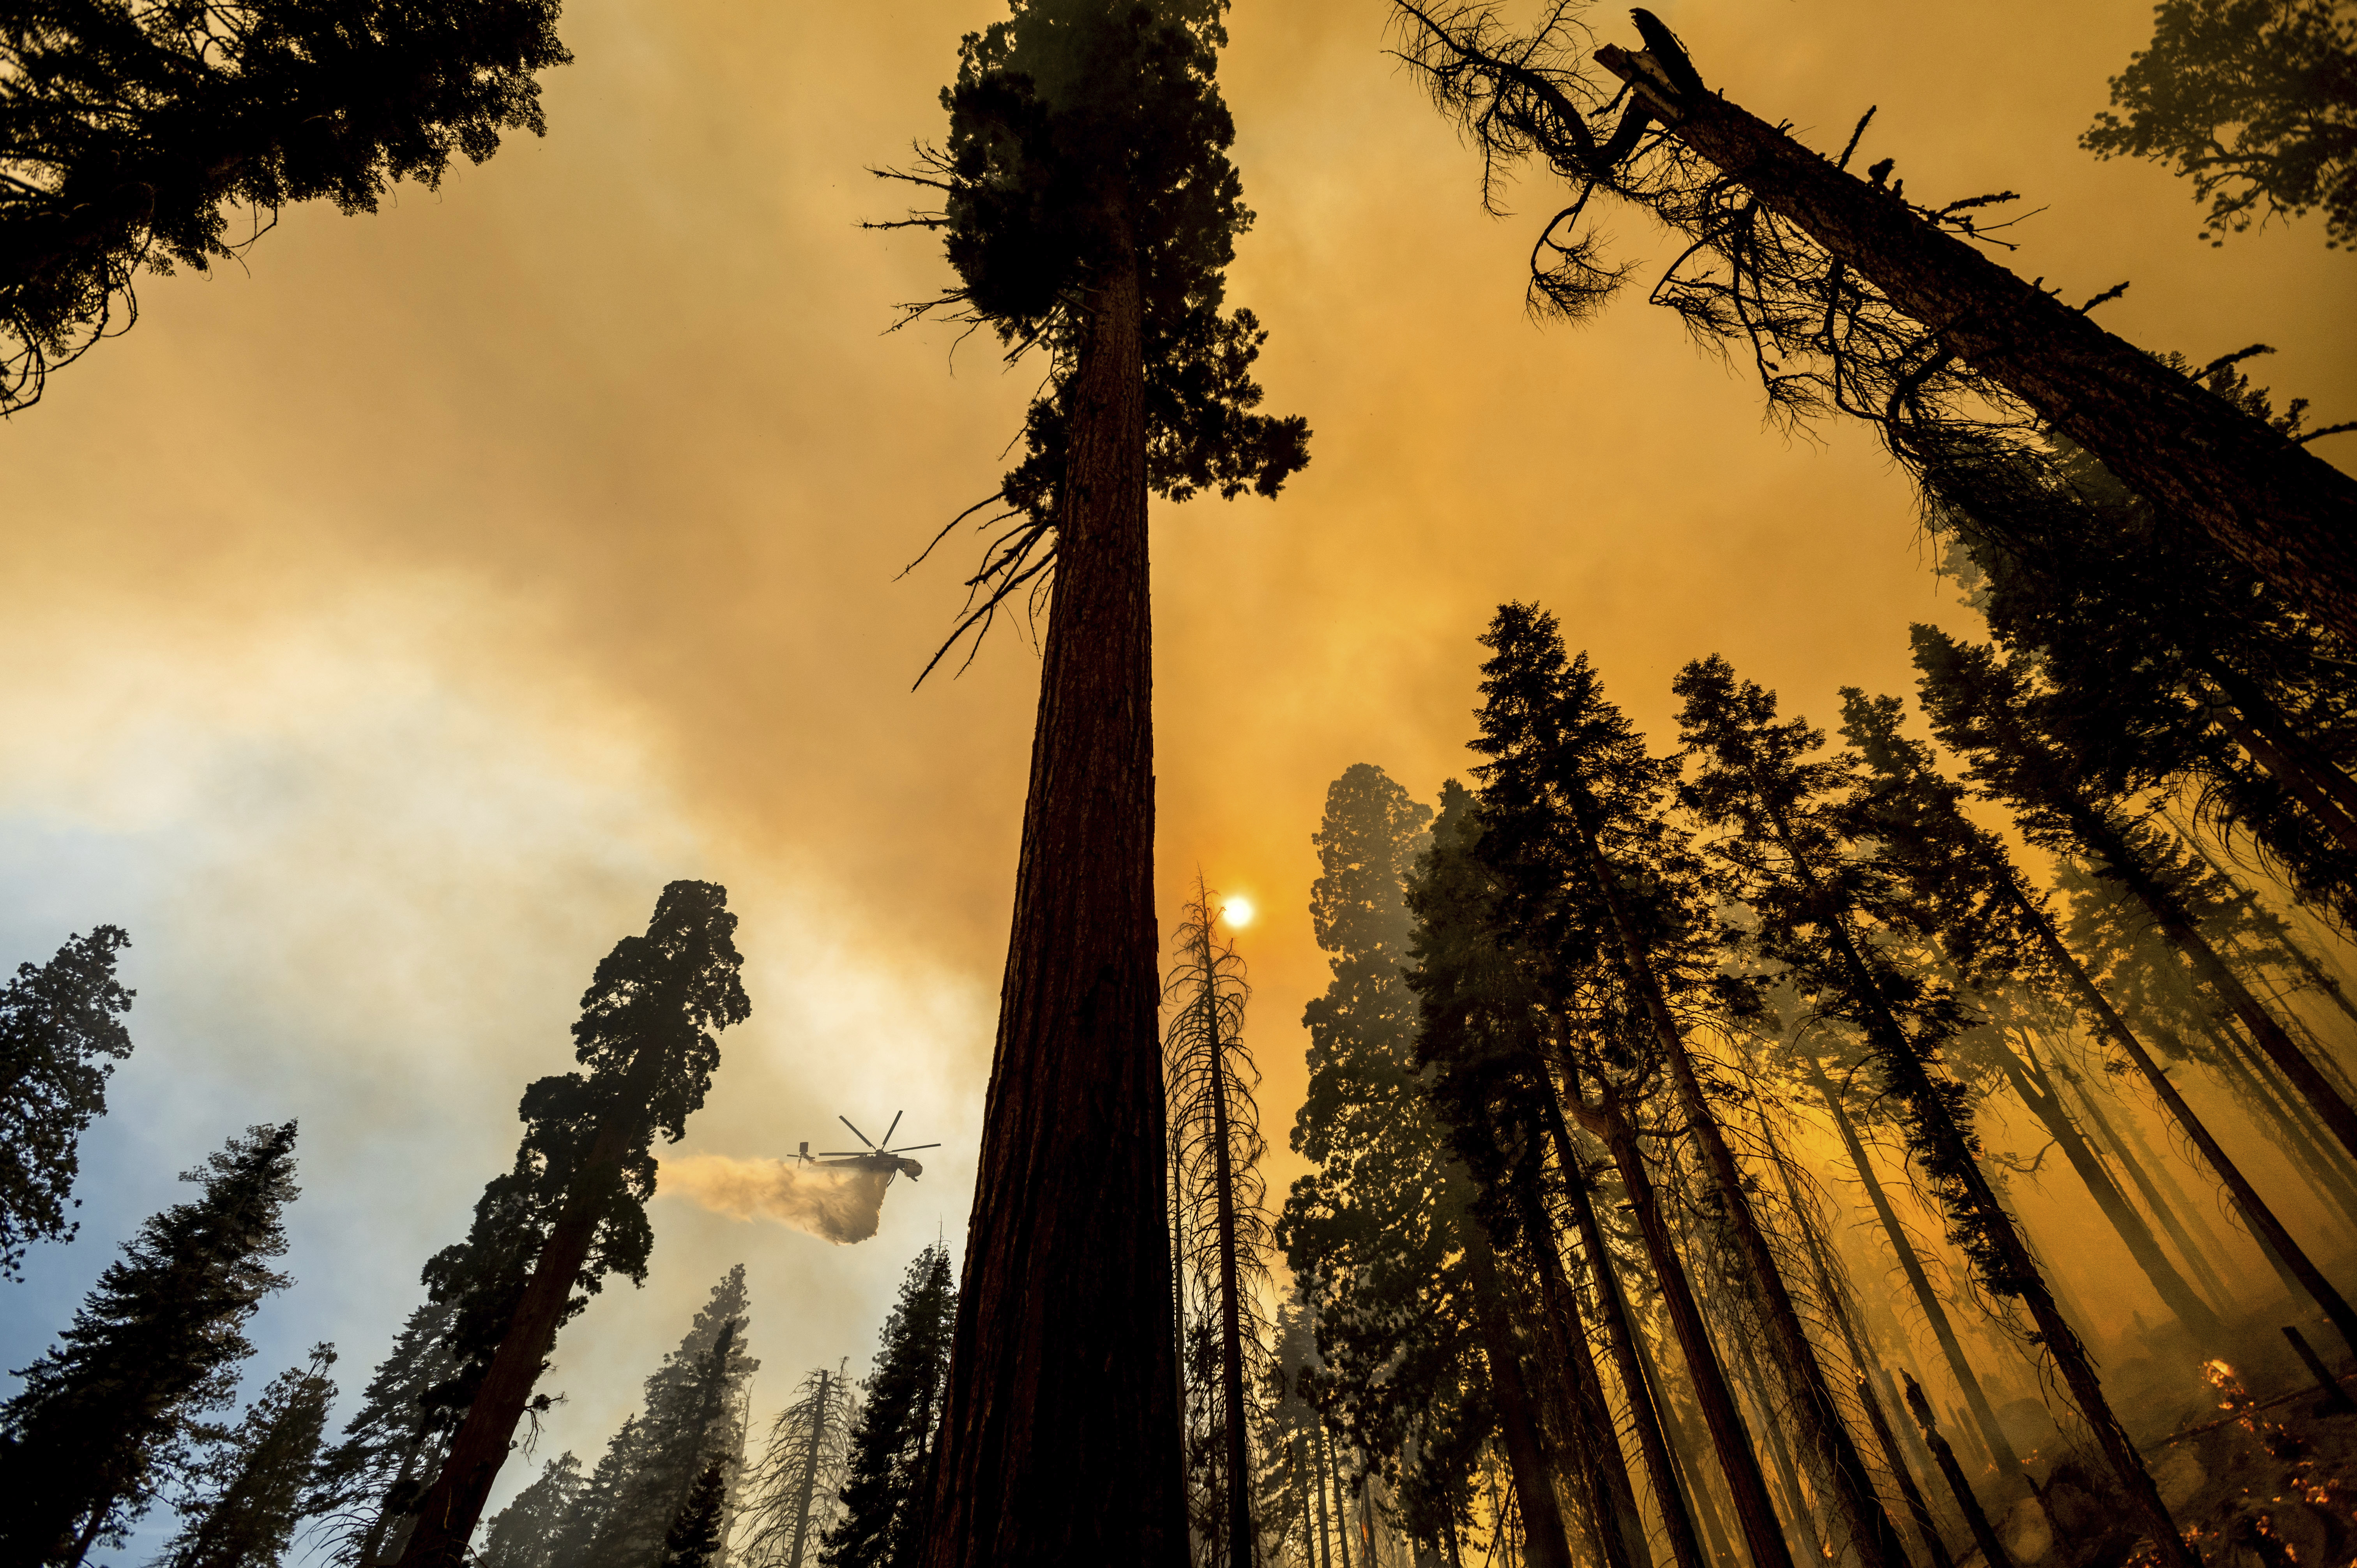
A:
[837,1205]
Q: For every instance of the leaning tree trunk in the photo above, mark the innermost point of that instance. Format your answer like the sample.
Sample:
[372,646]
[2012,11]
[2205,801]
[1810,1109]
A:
[1872,1535]
[809,1486]
[448,1514]
[1976,1204]
[2270,503]
[2122,865]
[2031,1086]
[1060,1440]
[1730,1439]
[2254,1208]
[1543,1526]
[2260,728]
[1652,1443]
[1910,1263]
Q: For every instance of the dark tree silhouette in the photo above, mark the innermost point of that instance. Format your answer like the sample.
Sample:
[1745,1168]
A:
[2255,101]
[1760,778]
[888,1492]
[251,1484]
[695,1538]
[1574,805]
[526,1533]
[1221,1197]
[1968,892]
[157,1344]
[60,1033]
[368,1482]
[1089,210]
[1845,294]
[646,1036]
[1990,710]
[2170,662]
[131,133]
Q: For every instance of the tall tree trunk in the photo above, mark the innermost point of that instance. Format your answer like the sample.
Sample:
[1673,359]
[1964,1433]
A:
[1588,1420]
[2121,863]
[1341,1500]
[1653,1446]
[1872,1535]
[1800,1531]
[1060,1442]
[1525,1449]
[1730,1440]
[2261,728]
[2273,504]
[2035,1090]
[1917,1509]
[1241,1552]
[1908,1078]
[453,1505]
[2254,1208]
[808,1486]
[2150,1177]
[1992,1550]
[1692,1476]
[1910,1263]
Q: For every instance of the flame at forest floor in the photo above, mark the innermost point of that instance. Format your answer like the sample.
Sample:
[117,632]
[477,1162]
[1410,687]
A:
[835,1205]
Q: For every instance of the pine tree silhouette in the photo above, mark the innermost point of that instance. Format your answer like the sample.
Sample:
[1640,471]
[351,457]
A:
[252,1483]
[60,1033]
[888,1495]
[157,1344]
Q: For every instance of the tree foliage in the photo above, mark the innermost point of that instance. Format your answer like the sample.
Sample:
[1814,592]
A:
[250,1485]
[135,131]
[60,1033]
[888,1495]
[112,1409]
[2255,102]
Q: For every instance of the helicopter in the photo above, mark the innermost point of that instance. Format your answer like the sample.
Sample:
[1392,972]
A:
[875,1157]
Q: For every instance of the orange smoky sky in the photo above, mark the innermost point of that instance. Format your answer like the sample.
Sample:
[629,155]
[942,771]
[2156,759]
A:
[391,615]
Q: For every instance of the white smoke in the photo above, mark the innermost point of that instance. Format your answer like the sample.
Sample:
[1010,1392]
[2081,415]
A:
[832,1203]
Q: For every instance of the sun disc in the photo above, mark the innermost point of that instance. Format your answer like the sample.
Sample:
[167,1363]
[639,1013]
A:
[1238,912]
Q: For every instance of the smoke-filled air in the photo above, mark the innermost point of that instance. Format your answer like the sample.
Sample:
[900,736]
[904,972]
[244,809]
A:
[835,1206]
[1179,783]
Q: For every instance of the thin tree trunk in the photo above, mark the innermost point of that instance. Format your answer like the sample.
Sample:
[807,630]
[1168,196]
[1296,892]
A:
[2046,1104]
[1342,1497]
[1912,1080]
[1241,1552]
[2148,1173]
[1992,1550]
[448,1514]
[1317,1490]
[1917,1509]
[810,1473]
[1588,1420]
[2121,863]
[2253,1208]
[2271,503]
[1739,1461]
[1936,1310]
[1800,1531]
[1686,1453]
[1525,1450]
[1060,1441]
[1669,1496]
[1872,1536]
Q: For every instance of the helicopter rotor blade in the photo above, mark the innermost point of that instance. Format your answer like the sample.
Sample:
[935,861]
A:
[908,1147]
[857,1133]
[894,1128]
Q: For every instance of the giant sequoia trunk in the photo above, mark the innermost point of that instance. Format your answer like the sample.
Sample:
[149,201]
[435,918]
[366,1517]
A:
[453,1505]
[2274,504]
[1060,1442]
[1242,1552]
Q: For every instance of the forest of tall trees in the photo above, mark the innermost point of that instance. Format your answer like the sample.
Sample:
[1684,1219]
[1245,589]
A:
[1918,1131]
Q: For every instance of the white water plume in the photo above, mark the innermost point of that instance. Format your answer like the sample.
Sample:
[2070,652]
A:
[836,1204]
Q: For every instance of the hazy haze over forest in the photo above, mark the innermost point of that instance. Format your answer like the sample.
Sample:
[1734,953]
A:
[391,618]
